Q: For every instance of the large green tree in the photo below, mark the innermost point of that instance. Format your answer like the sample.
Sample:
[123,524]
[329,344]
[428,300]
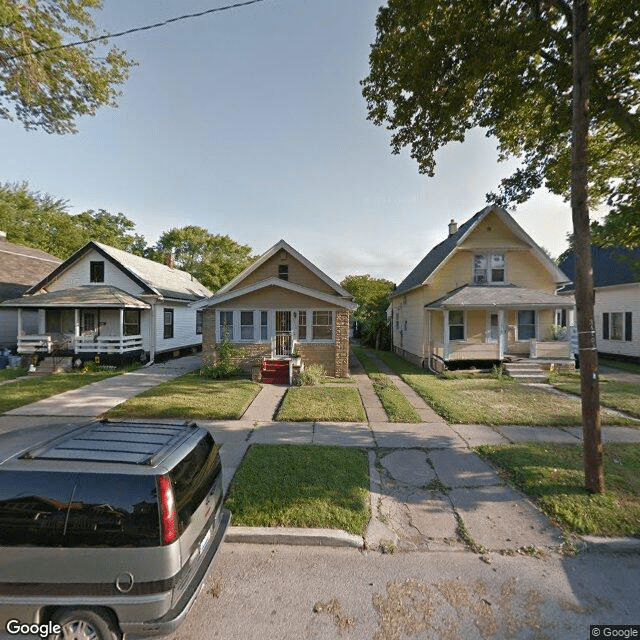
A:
[211,258]
[439,68]
[372,296]
[44,84]
[39,220]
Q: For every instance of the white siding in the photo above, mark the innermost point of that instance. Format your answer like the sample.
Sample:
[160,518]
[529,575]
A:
[184,327]
[78,274]
[9,325]
[618,299]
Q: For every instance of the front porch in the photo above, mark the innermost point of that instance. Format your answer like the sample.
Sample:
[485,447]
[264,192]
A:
[47,344]
[533,349]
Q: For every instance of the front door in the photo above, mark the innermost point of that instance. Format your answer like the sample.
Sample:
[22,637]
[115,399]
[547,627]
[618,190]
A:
[284,338]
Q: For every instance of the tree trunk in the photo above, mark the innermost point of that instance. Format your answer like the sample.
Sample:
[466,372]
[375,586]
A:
[589,383]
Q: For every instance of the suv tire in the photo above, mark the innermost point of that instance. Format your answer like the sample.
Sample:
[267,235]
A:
[85,624]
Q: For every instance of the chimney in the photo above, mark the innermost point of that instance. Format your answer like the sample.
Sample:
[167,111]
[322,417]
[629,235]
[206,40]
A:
[453,227]
[170,259]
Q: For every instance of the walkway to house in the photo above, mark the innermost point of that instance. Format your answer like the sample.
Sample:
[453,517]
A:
[94,399]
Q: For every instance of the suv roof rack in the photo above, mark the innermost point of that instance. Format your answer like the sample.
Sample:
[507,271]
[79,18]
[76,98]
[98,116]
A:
[121,441]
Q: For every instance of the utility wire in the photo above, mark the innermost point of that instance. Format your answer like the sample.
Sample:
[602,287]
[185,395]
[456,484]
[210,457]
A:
[148,27]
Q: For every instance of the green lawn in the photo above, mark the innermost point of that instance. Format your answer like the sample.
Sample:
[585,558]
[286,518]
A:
[330,404]
[301,486]
[191,396]
[623,396]
[620,364]
[553,476]
[491,400]
[395,404]
[27,390]
[10,373]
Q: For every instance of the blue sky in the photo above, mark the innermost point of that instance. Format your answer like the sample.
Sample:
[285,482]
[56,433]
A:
[251,123]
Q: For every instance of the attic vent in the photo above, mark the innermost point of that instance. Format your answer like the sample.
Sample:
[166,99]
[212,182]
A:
[283,255]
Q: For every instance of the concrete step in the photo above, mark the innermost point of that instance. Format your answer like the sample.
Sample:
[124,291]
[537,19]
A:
[53,365]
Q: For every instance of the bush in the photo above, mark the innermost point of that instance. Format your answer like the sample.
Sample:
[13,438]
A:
[225,367]
[312,375]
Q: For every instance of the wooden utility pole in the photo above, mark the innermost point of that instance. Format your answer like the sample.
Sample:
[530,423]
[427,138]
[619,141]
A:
[589,383]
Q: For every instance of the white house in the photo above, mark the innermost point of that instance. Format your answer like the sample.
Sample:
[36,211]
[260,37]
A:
[616,283]
[110,303]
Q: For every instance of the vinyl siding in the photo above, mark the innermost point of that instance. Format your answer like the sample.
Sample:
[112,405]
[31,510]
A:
[618,299]
[184,327]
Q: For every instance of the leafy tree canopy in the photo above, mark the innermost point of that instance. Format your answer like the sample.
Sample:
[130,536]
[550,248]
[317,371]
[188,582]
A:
[441,67]
[36,220]
[372,297]
[213,259]
[50,88]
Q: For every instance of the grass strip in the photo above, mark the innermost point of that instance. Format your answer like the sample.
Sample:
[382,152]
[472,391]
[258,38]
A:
[301,486]
[393,401]
[553,475]
[27,390]
[191,396]
[329,404]
[622,396]
[11,373]
[620,364]
[493,401]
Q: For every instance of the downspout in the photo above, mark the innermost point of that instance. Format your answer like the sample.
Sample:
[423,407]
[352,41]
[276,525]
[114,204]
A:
[429,367]
[152,335]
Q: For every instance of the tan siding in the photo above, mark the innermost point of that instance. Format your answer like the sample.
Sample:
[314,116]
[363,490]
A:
[274,298]
[298,274]
[525,270]
[492,233]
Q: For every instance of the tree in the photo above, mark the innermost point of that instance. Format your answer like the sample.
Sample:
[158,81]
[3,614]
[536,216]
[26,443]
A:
[45,84]
[213,259]
[442,67]
[372,297]
[39,220]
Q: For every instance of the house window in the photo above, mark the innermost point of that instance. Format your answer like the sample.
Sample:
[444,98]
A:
[526,325]
[199,318]
[605,326]
[627,326]
[302,325]
[168,323]
[264,325]
[246,325]
[96,271]
[226,325]
[456,325]
[322,328]
[488,267]
[59,321]
[131,322]
[616,332]
[283,271]
[494,327]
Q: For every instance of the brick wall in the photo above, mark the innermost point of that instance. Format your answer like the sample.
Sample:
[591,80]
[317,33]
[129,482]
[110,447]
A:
[342,344]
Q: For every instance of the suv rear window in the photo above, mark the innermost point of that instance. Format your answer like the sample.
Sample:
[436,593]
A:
[193,478]
[49,509]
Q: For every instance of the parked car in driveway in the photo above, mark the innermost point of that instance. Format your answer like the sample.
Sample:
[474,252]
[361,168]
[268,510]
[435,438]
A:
[107,529]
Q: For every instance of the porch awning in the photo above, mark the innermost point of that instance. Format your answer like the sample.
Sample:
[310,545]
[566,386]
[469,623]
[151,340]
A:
[498,296]
[85,296]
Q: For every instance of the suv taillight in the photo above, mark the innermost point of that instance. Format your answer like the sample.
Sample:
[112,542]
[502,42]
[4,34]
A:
[167,510]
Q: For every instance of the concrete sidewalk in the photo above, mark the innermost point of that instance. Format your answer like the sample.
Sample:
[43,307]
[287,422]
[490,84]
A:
[94,399]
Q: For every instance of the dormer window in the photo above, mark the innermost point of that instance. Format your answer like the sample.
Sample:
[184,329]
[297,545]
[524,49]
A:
[283,271]
[488,268]
[96,271]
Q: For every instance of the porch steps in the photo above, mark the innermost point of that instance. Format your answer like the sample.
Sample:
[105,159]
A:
[275,371]
[54,365]
[526,371]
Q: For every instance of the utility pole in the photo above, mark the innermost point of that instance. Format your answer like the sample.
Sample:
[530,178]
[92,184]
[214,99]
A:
[589,383]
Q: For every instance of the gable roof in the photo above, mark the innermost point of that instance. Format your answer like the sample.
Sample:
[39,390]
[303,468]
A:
[441,252]
[221,296]
[298,256]
[611,266]
[154,278]
[22,267]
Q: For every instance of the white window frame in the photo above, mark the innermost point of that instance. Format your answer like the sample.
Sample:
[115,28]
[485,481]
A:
[219,335]
[305,325]
[247,326]
[457,324]
[490,338]
[267,326]
[312,325]
[535,325]
[488,256]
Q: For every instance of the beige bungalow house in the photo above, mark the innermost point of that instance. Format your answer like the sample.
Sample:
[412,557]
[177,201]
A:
[278,309]
[486,293]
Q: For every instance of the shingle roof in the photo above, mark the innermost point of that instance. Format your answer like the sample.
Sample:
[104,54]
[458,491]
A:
[611,266]
[22,267]
[490,296]
[157,278]
[87,296]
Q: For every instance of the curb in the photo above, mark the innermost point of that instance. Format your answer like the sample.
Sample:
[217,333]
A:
[293,536]
[596,544]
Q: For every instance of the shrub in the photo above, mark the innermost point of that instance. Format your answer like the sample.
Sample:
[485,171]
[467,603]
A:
[312,375]
[225,367]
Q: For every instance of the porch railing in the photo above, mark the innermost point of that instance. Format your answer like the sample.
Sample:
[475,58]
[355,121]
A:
[35,344]
[107,344]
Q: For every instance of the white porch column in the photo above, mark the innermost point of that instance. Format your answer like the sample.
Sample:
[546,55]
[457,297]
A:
[121,331]
[76,323]
[445,313]
[502,334]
